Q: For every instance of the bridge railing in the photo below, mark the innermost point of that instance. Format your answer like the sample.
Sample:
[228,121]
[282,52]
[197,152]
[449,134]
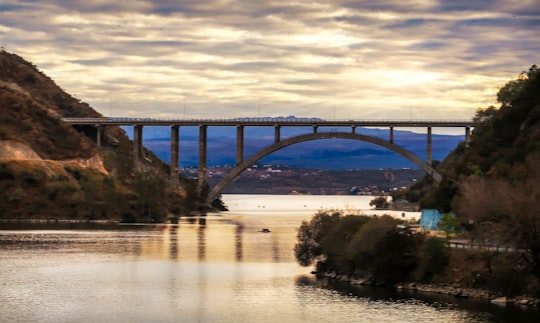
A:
[273,121]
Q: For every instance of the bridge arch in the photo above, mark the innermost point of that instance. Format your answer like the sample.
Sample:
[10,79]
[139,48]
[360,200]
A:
[315,136]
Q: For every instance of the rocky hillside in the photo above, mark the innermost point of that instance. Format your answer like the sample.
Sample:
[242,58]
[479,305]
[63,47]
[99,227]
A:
[32,104]
[49,169]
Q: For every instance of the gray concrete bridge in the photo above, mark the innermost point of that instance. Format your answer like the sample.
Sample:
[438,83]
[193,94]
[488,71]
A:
[279,143]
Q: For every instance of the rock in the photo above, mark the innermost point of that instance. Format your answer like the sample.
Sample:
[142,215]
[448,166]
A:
[344,278]
[501,300]
[524,301]
[362,281]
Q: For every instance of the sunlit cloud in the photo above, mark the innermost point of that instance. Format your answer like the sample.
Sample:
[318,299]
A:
[328,59]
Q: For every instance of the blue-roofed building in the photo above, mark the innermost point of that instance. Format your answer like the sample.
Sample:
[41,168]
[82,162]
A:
[430,219]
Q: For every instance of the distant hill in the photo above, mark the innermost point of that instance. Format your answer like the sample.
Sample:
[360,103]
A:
[279,179]
[321,154]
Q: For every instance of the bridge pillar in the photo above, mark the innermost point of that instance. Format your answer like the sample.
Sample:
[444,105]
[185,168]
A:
[137,145]
[277,133]
[239,144]
[174,154]
[391,140]
[353,129]
[99,130]
[467,136]
[315,129]
[202,155]
[429,146]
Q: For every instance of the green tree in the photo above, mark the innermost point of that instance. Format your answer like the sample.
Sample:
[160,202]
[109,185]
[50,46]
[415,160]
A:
[308,248]
[449,224]
[363,247]
[336,242]
[380,203]
[514,89]
[433,258]
[395,256]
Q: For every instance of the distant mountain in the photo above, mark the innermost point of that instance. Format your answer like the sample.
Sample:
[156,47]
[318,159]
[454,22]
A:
[321,154]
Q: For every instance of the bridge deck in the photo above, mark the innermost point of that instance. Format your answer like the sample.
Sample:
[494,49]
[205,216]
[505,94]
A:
[268,122]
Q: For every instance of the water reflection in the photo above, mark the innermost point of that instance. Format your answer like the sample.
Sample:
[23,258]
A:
[202,241]
[239,229]
[173,241]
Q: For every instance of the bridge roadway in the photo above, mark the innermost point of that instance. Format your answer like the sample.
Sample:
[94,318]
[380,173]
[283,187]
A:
[423,123]
[279,143]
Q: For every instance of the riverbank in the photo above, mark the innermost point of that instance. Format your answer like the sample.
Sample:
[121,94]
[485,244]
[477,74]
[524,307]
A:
[470,293]
[446,289]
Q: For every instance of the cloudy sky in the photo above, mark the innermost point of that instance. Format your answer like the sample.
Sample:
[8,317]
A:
[334,59]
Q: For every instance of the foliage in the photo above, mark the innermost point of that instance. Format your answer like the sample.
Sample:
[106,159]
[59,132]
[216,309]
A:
[449,224]
[506,213]
[380,203]
[335,244]
[433,258]
[511,92]
[310,234]
[120,161]
[384,251]
[150,190]
[218,204]
[500,144]
[395,257]
[357,243]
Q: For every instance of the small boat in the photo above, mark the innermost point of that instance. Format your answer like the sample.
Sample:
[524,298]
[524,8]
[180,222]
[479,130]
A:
[265,230]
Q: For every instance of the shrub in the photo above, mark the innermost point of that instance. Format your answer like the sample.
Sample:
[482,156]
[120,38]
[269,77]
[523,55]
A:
[433,258]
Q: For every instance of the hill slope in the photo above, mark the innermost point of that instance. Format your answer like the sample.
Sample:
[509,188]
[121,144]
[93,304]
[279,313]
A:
[49,169]
[31,106]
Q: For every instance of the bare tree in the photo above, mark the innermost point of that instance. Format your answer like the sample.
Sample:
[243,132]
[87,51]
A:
[506,213]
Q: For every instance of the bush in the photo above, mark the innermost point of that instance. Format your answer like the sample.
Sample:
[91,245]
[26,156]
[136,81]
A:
[434,256]
[31,177]
[310,235]
[5,172]
[380,203]
[395,256]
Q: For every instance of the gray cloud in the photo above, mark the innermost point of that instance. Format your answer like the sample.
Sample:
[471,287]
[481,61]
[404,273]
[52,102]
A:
[348,59]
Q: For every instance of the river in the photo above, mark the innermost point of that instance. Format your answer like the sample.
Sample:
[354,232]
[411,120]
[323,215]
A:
[217,268]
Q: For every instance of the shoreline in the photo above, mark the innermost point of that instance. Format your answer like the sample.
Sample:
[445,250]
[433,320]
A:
[109,221]
[446,289]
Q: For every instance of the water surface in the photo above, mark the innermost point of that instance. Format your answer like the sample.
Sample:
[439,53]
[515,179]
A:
[217,268]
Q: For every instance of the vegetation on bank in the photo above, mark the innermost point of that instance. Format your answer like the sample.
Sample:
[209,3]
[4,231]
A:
[382,248]
[386,251]
[51,191]
[491,183]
